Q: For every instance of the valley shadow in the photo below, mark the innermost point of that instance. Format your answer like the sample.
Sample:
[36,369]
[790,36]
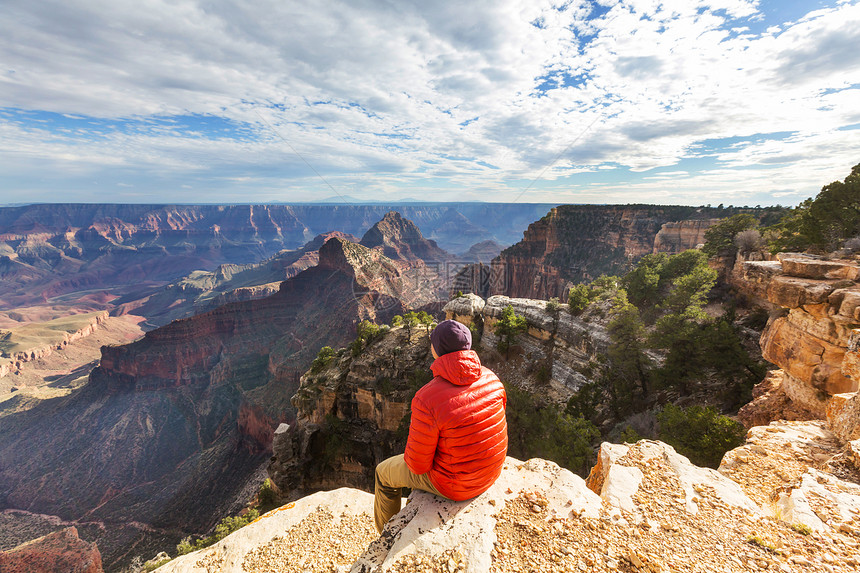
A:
[65,380]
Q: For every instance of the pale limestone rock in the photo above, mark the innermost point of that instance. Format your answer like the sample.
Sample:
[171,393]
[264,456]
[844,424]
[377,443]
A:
[818,499]
[464,309]
[227,555]
[429,525]
[618,487]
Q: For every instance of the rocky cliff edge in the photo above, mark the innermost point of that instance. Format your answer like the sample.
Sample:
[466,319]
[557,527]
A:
[643,508]
[812,333]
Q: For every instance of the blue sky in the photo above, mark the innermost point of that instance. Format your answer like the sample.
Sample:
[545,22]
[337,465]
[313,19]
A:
[680,101]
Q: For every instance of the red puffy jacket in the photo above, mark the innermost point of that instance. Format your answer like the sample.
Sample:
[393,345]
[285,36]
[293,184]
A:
[458,431]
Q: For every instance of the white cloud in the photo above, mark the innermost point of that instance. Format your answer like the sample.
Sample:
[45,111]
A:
[379,98]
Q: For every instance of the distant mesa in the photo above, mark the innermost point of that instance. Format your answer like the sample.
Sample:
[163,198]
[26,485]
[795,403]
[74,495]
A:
[482,252]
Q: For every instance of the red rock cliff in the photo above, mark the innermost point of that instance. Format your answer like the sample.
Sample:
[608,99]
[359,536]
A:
[577,243]
[61,551]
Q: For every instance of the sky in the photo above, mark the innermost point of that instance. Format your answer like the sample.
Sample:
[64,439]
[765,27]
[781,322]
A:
[741,102]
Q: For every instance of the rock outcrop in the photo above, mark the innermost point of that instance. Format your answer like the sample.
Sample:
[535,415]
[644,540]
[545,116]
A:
[770,402]
[351,415]
[677,236]
[482,252]
[399,238]
[802,474]
[61,551]
[354,412]
[565,349]
[643,508]
[811,335]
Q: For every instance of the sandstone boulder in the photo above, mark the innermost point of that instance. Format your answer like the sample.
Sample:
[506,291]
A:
[808,266]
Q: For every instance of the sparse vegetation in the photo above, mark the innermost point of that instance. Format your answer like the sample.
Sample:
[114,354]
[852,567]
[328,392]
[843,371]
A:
[700,433]
[801,528]
[552,305]
[323,359]
[155,565]
[544,373]
[507,328]
[227,526]
[367,334]
[578,298]
[764,544]
[629,435]
[720,239]
[267,498]
[538,429]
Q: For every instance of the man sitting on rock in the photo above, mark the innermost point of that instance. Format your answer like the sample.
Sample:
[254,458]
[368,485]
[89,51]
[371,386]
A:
[458,437]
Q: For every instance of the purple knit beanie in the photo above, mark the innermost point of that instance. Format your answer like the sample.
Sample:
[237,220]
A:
[451,336]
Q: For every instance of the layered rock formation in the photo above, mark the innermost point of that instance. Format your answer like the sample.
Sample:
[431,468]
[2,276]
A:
[59,551]
[202,291]
[482,252]
[351,415]
[567,349]
[677,236]
[817,310]
[577,243]
[52,250]
[354,412]
[171,428]
[34,341]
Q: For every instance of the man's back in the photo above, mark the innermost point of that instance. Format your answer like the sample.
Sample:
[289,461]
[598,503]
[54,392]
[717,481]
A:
[458,431]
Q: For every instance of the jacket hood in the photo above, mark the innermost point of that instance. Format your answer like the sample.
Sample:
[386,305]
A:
[462,367]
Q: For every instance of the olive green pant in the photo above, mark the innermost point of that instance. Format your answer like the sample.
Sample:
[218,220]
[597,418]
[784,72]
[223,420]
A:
[392,475]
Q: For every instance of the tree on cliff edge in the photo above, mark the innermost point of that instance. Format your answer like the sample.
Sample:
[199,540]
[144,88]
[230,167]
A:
[821,224]
[507,328]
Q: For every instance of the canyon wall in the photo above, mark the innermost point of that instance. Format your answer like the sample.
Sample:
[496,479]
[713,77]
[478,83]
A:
[578,243]
[170,429]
